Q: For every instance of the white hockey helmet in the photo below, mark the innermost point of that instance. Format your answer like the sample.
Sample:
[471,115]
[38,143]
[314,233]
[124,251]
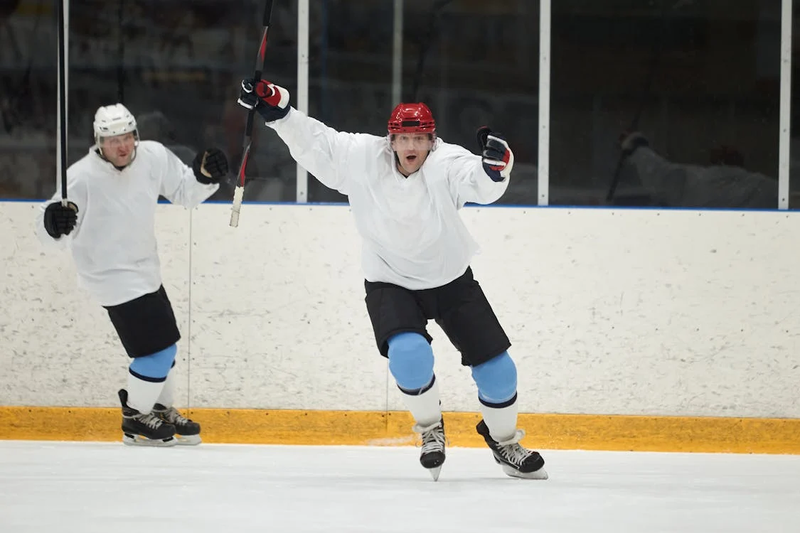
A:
[113,120]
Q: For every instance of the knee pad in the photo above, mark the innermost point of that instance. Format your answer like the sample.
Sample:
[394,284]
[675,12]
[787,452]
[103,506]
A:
[156,366]
[411,361]
[496,379]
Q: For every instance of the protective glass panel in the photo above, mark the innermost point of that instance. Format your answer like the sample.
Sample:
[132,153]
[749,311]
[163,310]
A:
[671,103]
[175,64]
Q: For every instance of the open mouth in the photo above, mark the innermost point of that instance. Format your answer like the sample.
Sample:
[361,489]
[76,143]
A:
[411,158]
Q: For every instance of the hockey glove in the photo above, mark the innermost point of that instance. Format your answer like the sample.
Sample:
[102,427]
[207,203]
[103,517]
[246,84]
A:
[271,101]
[497,157]
[210,166]
[60,220]
[629,142]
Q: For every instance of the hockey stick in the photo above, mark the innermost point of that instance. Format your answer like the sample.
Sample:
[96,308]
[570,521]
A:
[120,55]
[238,193]
[432,30]
[61,145]
[655,54]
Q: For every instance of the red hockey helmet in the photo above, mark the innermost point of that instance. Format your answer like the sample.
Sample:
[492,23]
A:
[412,118]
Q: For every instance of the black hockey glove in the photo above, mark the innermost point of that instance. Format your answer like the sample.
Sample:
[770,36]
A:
[271,101]
[210,166]
[629,142]
[60,220]
[498,159]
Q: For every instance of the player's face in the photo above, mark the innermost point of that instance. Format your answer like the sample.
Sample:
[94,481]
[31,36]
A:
[412,150]
[119,148]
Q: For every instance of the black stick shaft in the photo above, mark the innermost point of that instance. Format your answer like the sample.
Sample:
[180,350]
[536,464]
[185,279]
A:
[658,38]
[238,193]
[120,55]
[262,50]
[61,163]
[433,17]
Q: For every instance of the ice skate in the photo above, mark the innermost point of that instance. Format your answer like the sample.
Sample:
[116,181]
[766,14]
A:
[433,444]
[144,429]
[516,460]
[187,432]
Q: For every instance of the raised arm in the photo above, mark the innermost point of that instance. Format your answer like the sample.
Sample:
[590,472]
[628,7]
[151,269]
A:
[187,186]
[320,149]
[480,179]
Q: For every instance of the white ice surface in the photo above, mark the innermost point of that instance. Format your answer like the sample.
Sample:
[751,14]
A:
[110,488]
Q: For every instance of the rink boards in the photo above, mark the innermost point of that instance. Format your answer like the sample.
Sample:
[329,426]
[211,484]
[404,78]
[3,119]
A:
[373,428]
[631,329]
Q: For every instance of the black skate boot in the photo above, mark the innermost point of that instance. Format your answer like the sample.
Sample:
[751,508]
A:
[515,460]
[144,429]
[186,431]
[433,444]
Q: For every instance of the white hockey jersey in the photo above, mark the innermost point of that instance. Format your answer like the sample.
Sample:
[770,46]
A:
[114,241]
[413,235]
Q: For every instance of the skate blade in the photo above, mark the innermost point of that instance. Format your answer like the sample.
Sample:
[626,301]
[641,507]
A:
[188,440]
[434,472]
[137,440]
[512,472]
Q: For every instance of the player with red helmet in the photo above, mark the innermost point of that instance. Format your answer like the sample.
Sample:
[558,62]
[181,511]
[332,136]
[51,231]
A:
[412,131]
[405,195]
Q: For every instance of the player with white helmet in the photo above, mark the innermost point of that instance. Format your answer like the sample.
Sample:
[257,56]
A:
[115,134]
[405,190]
[109,226]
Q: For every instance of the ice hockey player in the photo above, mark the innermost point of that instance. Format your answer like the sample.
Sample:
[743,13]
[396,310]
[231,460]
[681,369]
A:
[405,190]
[109,226]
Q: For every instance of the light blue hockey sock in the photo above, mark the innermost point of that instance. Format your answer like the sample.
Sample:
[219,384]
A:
[146,377]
